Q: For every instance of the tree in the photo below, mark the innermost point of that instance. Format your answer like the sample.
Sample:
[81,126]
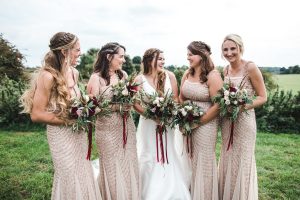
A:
[10,60]
[85,66]
[137,60]
[128,66]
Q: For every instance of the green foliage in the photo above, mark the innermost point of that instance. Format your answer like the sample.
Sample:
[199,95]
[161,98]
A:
[281,113]
[290,70]
[269,80]
[85,66]
[128,65]
[10,60]
[10,93]
[137,60]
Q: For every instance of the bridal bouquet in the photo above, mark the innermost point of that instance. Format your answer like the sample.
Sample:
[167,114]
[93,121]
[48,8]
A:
[84,110]
[160,108]
[187,115]
[231,99]
[125,92]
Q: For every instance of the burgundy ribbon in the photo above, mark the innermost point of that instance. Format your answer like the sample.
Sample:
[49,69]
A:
[230,142]
[159,139]
[189,144]
[90,129]
[125,117]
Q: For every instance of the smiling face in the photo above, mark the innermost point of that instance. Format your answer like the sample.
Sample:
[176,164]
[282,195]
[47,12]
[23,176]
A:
[117,60]
[75,54]
[160,62]
[193,59]
[231,51]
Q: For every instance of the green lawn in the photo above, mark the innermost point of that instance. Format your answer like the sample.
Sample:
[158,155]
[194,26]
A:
[26,167]
[288,82]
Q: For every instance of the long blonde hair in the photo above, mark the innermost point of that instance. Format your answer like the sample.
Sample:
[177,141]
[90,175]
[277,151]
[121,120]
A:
[53,63]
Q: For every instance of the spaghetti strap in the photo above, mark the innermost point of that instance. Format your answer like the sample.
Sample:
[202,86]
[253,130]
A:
[73,87]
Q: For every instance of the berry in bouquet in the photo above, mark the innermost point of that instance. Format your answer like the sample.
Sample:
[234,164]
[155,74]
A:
[84,110]
[187,115]
[159,108]
[125,94]
[232,100]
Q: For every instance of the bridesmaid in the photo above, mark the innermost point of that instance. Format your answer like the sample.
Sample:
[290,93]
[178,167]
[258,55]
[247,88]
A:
[47,101]
[118,177]
[238,177]
[199,84]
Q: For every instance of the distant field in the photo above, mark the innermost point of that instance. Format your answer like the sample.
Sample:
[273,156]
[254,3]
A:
[288,82]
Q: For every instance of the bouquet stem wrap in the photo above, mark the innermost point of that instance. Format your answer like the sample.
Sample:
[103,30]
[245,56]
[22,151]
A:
[90,130]
[160,130]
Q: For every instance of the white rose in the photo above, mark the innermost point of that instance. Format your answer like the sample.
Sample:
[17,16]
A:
[161,99]
[227,102]
[226,93]
[183,112]
[188,107]
[226,98]
[235,102]
[125,92]
[86,98]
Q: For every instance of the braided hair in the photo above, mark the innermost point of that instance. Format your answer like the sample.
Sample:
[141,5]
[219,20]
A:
[53,63]
[206,64]
[102,64]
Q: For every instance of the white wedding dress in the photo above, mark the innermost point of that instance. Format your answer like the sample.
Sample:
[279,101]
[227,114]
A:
[161,181]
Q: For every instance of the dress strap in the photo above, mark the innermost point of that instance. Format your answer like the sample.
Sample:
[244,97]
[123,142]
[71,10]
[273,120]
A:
[73,87]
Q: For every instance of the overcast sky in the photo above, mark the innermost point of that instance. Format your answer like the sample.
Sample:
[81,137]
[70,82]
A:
[270,28]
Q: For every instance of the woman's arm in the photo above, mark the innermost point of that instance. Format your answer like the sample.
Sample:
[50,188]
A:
[137,106]
[214,83]
[41,98]
[258,84]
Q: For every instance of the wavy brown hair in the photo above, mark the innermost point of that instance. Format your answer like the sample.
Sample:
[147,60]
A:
[150,55]
[206,64]
[101,64]
[53,63]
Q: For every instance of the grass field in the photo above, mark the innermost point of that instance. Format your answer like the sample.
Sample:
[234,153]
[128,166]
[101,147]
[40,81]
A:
[288,82]
[26,167]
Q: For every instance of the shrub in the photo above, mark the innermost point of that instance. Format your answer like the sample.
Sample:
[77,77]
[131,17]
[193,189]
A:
[281,113]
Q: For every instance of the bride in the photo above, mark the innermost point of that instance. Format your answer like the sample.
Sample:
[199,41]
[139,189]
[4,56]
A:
[158,180]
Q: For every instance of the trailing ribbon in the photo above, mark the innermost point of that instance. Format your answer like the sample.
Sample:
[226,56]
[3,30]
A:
[230,142]
[160,129]
[90,129]
[125,117]
[189,144]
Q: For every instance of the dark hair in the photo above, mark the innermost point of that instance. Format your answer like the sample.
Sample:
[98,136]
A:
[101,64]
[206,64]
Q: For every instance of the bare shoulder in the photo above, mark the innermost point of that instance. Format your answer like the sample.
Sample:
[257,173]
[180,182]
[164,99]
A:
[252,67]
[139,78]
[214,72]
[125,74]
[46,76]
